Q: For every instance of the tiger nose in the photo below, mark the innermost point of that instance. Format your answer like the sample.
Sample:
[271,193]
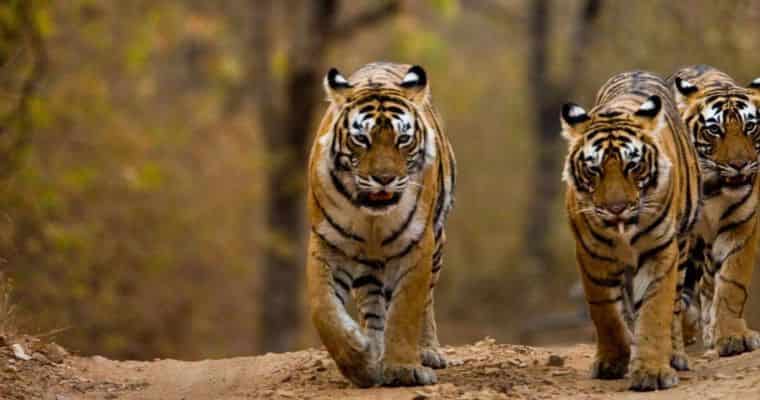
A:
[616,208]
[738,164]
[383,179]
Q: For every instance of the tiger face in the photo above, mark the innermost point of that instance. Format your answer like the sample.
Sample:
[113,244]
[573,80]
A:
[612,166]
[723,122]
[378,146]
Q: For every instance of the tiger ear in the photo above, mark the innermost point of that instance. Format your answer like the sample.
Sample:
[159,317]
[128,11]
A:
[574,120]
[755,84]
[685,87]
[337,86]
[415,83]
[650,108]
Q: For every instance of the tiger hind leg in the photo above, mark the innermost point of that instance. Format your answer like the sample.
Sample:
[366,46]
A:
[690,305]
[430,347]
[678,359]
[732,278]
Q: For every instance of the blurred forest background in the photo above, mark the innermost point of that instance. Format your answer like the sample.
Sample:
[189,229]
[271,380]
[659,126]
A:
[152,155]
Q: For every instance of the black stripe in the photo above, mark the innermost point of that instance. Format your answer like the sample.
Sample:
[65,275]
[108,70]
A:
[407,249]
[734,225]
[395,109]
[339,296]
[328,243]
[382,99]
[343,231]
[344,285]
[388,294]
[645,256]
[453,173]
[395,235]
[346,274]
[441,195]
[374,264]
[372,316]
[598,236]
[660,218]
[366,280]
[606,282]
[579,238]
[718,264]
[735,283]
[605,301]
[736,205]
[339,187]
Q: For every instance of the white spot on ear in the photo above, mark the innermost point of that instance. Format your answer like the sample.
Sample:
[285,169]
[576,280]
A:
[648,106]
[756,82]
[339,79]
[685,85]
[411,77]
[575,112]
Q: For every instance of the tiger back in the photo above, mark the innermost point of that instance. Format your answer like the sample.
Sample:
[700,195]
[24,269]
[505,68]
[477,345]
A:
[381,183]
[722,121]
[632,199]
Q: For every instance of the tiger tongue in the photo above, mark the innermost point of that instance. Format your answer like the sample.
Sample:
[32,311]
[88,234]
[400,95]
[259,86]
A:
[380,196]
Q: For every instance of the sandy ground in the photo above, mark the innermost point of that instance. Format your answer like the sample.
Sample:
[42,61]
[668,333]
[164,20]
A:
[484,370]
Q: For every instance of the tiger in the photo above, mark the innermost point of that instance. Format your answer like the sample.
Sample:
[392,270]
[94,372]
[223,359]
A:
[381,184]
[632,199]
[722,122]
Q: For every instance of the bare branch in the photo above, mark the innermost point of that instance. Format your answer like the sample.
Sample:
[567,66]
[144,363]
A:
[366,19]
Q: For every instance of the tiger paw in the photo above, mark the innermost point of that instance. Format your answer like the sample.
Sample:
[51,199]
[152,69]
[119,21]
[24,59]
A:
[432,357]
[408,375]
[679,361]
[736,344]
[647,379]
[609,368]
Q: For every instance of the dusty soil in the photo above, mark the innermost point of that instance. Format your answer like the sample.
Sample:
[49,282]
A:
[485,370]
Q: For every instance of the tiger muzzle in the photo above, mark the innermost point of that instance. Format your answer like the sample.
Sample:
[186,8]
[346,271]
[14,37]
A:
[738,173]
[379,200]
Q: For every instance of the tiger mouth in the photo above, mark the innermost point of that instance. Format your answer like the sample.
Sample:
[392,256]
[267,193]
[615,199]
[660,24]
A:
[378,200]
[738,180]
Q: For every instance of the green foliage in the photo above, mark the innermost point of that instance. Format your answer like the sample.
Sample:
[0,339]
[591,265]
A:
[448,8]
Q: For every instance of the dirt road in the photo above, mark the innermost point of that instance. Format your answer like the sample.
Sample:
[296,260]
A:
[485,370]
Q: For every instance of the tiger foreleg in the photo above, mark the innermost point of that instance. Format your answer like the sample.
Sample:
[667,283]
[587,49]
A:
[431,349]
[690,303]
[653,347]
[402,364]
[357,356]
[706,295]
[732,279]
[367,287]
[605,301]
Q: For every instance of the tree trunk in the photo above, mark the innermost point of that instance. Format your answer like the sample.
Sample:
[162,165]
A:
[288,131]
[546,125]
[548,97]
[282,272]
